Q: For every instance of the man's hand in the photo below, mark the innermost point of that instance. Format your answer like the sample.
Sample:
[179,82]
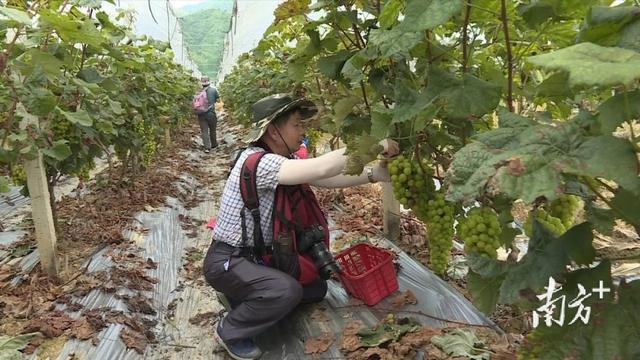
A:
[391,148]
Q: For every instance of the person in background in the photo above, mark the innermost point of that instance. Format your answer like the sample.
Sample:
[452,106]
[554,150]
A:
[207,119]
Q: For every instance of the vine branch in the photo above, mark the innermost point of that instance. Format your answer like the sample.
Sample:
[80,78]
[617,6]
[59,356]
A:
[465,36]
[505,25]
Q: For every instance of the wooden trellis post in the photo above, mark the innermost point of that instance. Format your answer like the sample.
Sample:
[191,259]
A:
[42,216]
[390,212]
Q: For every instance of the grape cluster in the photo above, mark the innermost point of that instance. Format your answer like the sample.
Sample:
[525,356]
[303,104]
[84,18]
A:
[481,231]
[551,223]
[439,220]
[411,182]
[566,208]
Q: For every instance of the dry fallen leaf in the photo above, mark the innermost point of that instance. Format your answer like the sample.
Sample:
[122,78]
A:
[403,299]
[319,344]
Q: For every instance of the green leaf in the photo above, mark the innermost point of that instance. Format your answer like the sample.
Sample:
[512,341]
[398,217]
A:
[464,98]
[16,15]
[461,342]
[484,291]
[394,42]
[545,257]
[630,36]
[4,184]
[618,109]
[72,30]
[9,345]
[35,59]
[389,14]
[343,107]
[593,65]
[626,205]
[59,151]
[578,243]
[603,24]
[352,68]
[410,103]
[595,158]
[555,87]
[331,66]
[421,15]
[90,75]
[116,107]
[80,117]
[380,123]
[133,100]
[602,219]
[41,102]
[362,150]
[386,332]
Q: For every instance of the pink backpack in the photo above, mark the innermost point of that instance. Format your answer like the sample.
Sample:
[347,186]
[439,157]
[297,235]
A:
[200,104]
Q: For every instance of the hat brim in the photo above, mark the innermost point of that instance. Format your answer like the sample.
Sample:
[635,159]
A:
[307,110]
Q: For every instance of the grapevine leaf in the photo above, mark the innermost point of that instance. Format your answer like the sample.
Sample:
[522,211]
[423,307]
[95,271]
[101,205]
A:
[41,102]
[593,65]
[462,98]
[594,158]
[461,342]
[618,109]
[421,15]
[4,184]
[411,103]
[486,266]
[578,243]
[134,101]
[484,291]
[555,87]
[602,219]
[352,68]
[35,59]
[386,332]
[72,30]
[343,107]
[394,42]
[390,12]
[331,66]
[627,206]
[630,37]
[603,24]
[545,257]
[380,123]
[59,151]
[115,107]
[362,150]
[16,15]
[90,75]
[9,343]
[80,117]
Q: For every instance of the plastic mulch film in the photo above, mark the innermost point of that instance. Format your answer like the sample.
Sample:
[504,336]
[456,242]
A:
[435,297]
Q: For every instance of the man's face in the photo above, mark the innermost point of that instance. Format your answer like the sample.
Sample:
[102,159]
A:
[292,131]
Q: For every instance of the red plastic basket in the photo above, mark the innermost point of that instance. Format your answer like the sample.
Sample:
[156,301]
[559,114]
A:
[369,274]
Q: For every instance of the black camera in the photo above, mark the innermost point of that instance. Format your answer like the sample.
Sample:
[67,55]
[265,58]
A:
[311,241]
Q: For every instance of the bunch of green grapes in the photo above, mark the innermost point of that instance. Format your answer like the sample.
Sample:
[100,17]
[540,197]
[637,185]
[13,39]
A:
[18,175]
[149,145]
[412,182]
[85,169]
[438,216]
[481,231]
[551,223]
[314,138]
[566,208]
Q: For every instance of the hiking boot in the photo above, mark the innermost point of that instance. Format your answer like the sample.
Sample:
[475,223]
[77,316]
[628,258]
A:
[206,151]
[244,349]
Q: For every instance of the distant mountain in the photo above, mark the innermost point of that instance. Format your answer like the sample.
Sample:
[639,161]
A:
[203,33]
[223,5]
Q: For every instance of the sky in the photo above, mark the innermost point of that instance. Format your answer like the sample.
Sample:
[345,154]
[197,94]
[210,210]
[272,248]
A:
[181,3]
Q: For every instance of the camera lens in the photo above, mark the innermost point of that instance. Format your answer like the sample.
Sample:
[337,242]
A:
[324,260]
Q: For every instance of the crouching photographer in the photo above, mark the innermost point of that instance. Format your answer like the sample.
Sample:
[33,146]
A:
[270,248]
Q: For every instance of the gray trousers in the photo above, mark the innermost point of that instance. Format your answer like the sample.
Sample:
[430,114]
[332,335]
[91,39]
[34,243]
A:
[260,296]
[208,122]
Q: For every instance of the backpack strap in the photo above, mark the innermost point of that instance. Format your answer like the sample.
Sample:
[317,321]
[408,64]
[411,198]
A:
[249,192]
